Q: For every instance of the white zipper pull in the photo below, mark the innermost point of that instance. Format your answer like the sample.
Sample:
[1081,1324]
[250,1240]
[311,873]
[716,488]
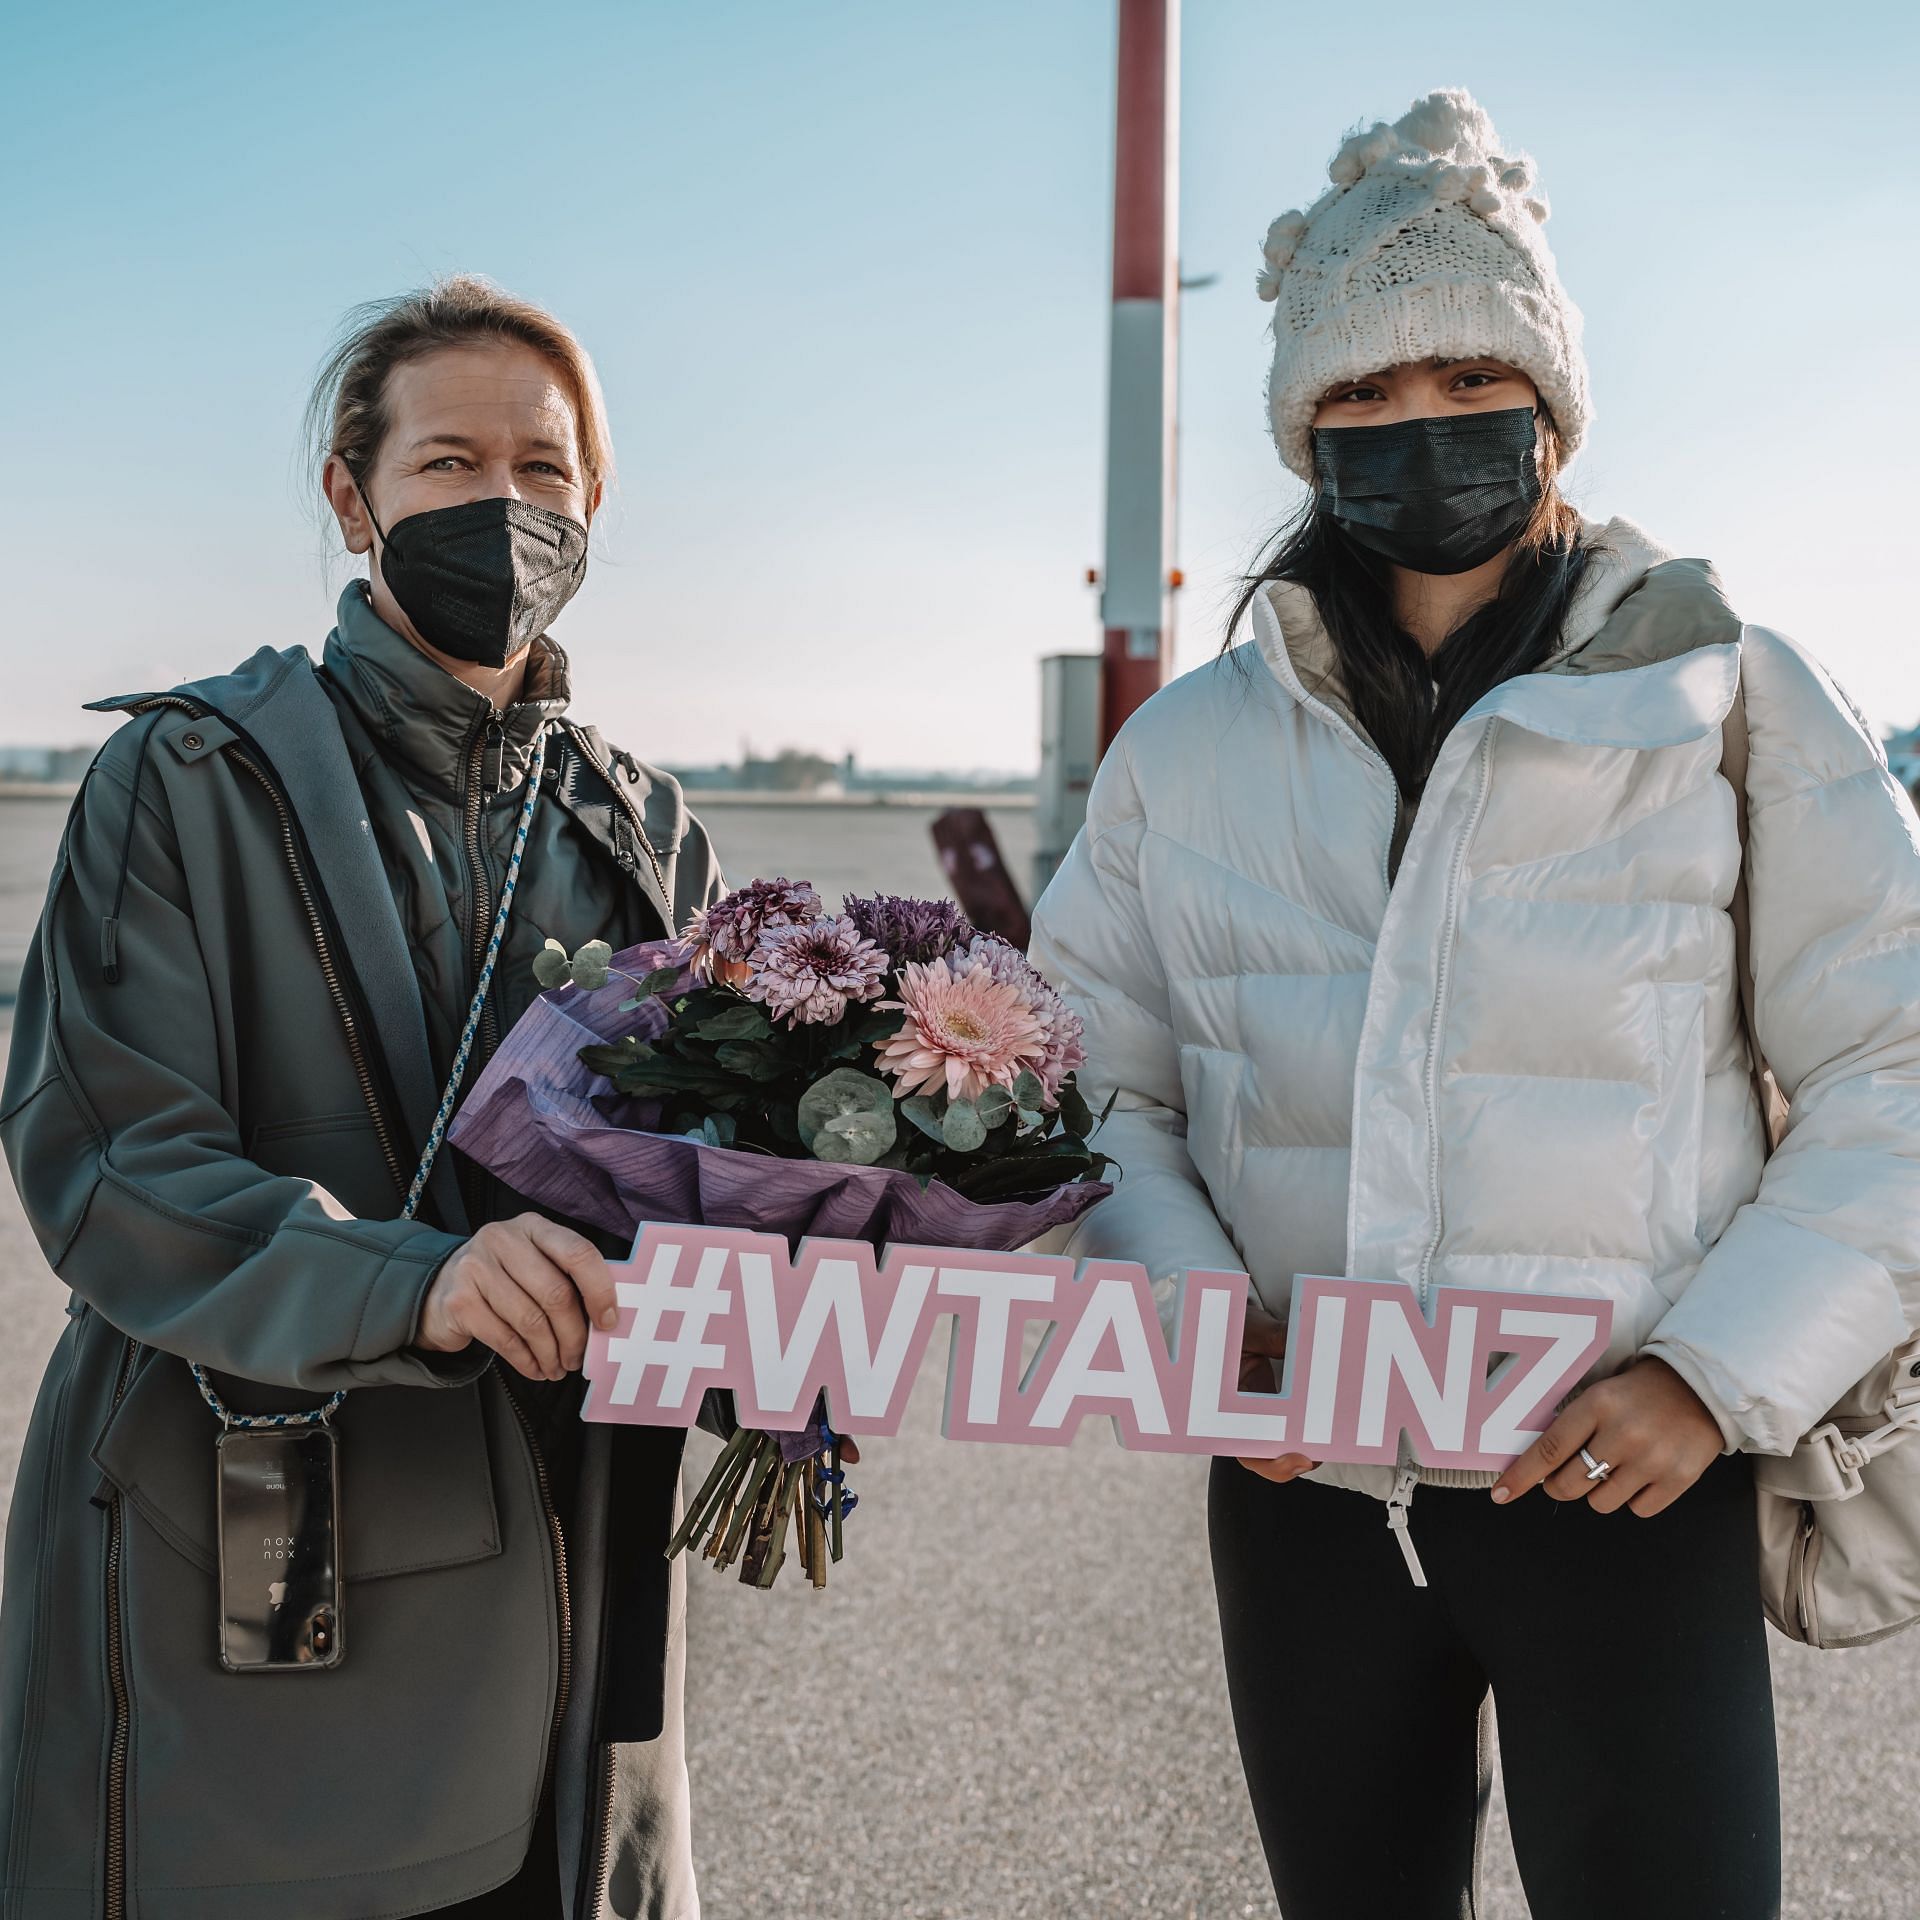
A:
[1397,1520]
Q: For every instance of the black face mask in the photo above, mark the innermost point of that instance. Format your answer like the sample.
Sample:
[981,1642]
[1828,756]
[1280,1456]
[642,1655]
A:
[1435,496]
[482,579]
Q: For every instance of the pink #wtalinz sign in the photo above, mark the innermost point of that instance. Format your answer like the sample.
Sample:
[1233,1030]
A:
[725,1307]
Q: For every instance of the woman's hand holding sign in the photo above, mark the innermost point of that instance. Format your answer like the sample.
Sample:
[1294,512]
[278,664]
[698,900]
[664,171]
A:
[526,1287]
[1263,1347]
[523,1287]
[1645,1426]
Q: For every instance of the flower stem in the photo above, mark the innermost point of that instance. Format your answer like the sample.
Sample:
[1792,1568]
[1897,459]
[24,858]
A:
[694,1521]
[764,1463]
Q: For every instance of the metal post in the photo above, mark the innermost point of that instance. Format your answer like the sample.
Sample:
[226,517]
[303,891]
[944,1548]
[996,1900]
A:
[1135,608]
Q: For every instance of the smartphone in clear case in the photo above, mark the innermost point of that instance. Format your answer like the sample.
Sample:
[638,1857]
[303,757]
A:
[279,1523]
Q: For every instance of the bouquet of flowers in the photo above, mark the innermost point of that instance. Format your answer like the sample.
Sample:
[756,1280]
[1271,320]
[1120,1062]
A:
[886,1073]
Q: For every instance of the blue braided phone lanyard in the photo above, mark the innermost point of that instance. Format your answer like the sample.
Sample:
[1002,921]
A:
[438,1133]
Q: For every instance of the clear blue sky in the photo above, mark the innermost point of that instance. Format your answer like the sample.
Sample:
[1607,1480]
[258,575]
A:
[844,268]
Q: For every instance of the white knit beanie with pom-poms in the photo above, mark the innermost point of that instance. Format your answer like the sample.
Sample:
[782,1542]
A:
[1428,243]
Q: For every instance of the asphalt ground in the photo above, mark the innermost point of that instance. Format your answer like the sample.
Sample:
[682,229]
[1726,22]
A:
[1009,1701]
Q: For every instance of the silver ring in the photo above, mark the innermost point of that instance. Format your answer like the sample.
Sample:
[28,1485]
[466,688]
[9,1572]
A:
[1596,1469]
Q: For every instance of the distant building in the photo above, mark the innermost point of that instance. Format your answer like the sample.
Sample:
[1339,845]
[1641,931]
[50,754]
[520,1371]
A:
[789,771]
[794,771]
[48,766]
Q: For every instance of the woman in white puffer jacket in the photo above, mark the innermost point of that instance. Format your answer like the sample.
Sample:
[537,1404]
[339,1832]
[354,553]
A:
[1402,933]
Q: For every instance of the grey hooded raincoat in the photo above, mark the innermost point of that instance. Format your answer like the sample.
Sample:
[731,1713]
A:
[260,937]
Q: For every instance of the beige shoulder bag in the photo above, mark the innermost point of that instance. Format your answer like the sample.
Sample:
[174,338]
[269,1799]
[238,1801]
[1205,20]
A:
[1840,1515]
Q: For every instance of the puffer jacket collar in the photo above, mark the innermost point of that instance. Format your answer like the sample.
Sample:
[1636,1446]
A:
[1650,654]
[419,714]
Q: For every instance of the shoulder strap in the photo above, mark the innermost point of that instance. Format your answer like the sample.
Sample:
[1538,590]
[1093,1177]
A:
[1733,763]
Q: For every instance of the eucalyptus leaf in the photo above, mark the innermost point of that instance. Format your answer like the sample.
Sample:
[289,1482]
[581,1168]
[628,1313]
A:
[589,967]
[922,1112]
[962,1127]
[841,1092]
[1029,1091]
[551,967]
[995,1105]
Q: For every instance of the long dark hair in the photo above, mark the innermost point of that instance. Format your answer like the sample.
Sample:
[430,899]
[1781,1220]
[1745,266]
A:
[1389,678]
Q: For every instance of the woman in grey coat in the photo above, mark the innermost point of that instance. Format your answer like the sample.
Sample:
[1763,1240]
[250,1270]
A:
[270,912]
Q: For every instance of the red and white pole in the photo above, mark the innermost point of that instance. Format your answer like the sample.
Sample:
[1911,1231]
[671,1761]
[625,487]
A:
[1142,396]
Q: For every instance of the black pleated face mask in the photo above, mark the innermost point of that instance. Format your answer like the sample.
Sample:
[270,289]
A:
[1435,496]
[481,580]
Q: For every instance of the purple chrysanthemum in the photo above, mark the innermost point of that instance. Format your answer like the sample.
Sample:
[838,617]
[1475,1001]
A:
[809,975]
[1063,1029]
[721,938]
[909,930]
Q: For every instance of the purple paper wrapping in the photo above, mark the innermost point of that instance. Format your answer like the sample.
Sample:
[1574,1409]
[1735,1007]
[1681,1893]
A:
[548,1126]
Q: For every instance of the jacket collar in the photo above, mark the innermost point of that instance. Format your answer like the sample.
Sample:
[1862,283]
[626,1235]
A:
[1650,654]
[419,714]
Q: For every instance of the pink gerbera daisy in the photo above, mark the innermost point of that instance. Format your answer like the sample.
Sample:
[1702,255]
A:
[964,1030]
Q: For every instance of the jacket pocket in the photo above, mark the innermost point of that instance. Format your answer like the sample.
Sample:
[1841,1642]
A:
[338,1151]
[402,1780]
[416,1488]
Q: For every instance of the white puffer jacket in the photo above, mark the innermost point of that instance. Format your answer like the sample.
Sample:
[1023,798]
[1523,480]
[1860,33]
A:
[1514,1056]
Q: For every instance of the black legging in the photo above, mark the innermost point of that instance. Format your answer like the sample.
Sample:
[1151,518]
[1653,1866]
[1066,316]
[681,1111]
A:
[1628,1666]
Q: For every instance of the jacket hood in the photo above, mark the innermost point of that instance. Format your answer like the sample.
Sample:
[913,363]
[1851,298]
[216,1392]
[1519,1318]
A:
[1636,605]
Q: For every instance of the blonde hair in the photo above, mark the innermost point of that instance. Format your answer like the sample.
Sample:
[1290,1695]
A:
[347,412]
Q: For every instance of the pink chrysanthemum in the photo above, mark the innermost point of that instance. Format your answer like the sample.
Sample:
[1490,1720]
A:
[964,1030]
[809,975]
[721,938]
[1063,1029]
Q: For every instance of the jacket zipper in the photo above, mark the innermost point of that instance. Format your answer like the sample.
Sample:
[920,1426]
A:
[473,1180]
[355,1051]
[1405,1473]
[343,1005]
[1449,919]
[558,1537]
[1408,1472]
[474,808]
[632,812]
[1404,1479]
[597,1873]
[116,1863]
[475,812]
[1800,1572]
